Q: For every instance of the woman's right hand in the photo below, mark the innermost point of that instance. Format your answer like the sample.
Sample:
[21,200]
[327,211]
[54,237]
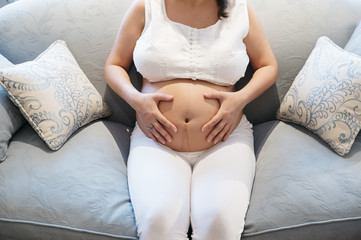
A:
[152,122]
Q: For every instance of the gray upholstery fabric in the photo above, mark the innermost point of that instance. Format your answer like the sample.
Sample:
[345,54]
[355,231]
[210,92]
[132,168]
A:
[302,189]
[89,28]
[10,117]
[122,112]
[90,32]
[293,27]
[80,191]
[263,108]
[77,192]
[354,44]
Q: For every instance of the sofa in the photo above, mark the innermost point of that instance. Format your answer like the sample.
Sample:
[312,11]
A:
[302,190]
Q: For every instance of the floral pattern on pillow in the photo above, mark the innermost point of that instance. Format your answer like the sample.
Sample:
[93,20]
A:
[325,96]
[53,94]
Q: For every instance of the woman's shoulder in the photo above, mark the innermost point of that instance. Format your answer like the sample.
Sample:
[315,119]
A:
[236,3]
[136,13]
[139,6]
[237,10]
[236,6]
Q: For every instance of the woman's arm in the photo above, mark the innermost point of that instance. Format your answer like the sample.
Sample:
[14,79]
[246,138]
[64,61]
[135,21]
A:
[262,60]
[115,73]
[266,72]
[121,55]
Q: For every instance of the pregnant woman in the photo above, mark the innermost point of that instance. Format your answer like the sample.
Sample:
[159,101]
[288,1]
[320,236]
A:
[191,159]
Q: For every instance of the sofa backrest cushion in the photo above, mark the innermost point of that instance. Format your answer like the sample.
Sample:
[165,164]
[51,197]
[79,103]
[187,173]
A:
[354,44]
[89,27]
[293,27]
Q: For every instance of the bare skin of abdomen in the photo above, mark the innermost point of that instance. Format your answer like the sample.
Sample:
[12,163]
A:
[189,111]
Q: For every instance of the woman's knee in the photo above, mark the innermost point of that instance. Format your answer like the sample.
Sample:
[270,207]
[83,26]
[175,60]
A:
[155,226]
[164,223]
[221,222]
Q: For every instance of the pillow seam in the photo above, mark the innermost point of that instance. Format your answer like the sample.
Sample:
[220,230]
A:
[23,111]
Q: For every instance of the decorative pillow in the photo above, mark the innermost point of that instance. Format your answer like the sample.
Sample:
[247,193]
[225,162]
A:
[53,94]
[325,96]
[354,44]
[10,117]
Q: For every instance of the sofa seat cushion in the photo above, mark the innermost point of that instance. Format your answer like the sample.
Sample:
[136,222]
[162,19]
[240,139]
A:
[303,190]
[77,192]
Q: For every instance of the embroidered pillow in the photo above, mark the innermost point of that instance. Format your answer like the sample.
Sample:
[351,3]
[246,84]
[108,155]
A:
[53,94]
[325,96]
[10,117]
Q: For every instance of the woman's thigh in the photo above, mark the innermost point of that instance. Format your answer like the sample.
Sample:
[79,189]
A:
[221,186]
[159,186]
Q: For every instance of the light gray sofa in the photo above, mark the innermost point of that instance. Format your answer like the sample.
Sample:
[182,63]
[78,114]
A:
[302,190]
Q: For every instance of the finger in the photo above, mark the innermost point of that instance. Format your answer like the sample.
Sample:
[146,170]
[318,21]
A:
[149,134]
[163,132]
[217,129]
[228,134]
[152,137]
[157,132]
[214,95]
[221,135]
[163,97]
[157,135]
[212,123]
[145,130]
[165,122]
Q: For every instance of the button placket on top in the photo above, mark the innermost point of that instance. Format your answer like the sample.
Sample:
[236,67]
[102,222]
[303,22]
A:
[193,53]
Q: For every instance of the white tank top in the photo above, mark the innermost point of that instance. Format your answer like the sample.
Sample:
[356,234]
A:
[167,50]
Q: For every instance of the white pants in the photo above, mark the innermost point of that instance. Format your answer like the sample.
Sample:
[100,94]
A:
[210,189]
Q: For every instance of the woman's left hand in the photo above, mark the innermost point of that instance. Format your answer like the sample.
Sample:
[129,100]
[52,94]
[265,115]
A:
[227,118]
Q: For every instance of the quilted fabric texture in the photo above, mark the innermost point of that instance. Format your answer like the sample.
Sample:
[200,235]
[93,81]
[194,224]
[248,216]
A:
[10,117]
[89,27]
[77,192]
[293,27]
[302,190]
[326,96]
[54,94]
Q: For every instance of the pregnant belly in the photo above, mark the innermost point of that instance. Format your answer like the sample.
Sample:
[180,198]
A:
[188,111]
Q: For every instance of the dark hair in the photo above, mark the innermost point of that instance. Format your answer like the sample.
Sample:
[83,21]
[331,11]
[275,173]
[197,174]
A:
[222,5]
